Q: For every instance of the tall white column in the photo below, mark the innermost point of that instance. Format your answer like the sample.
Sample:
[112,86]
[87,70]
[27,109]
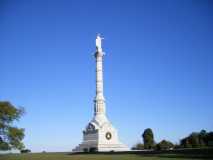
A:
[99,99]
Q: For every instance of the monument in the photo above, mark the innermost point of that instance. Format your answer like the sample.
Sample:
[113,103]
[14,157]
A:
[99,134]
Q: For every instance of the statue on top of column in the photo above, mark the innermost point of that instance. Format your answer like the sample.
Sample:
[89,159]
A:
[98,43]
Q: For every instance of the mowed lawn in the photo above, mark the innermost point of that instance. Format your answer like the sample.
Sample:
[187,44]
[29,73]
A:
[65,156]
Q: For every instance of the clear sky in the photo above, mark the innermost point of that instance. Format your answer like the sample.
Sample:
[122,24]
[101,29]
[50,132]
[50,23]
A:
[157,69]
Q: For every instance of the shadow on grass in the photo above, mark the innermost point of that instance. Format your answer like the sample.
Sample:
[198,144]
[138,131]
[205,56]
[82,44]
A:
[184,156]
[206,153]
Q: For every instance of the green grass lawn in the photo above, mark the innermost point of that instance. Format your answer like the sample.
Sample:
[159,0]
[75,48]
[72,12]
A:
[65,156]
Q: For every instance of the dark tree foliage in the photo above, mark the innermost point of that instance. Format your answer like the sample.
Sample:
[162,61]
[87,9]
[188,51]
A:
[138,146]
[209,139]
[202,138]
[148,139]
[10,136]
[164,145]
[197,140]
[25,151]
[194,140]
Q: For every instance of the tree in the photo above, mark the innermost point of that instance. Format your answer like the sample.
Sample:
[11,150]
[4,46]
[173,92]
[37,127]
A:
[202,138]
[10,136]
[209,139]
[138,146]
[148,139]
[197,139]
[184,143]
[164,145]
[194,140]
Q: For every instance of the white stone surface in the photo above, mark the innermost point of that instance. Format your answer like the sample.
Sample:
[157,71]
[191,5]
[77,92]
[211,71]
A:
[98,43]
[99,134]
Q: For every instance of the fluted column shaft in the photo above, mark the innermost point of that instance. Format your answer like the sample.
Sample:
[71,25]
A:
[99,99]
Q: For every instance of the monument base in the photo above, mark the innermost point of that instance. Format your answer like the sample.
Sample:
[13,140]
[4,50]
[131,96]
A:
[100,136]
[84,147]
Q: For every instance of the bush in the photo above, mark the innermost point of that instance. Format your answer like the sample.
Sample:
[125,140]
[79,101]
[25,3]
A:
[164,145]
[25,151]
[138,146]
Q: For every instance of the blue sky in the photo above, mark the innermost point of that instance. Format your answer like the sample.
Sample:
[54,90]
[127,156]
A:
[157,68]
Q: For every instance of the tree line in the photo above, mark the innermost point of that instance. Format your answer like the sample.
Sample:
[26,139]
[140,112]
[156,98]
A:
[194,140]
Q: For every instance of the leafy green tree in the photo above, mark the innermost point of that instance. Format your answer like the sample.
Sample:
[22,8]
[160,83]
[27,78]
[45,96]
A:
[198,139]
[209,139]
[164,145]
[202,138]
[138,146]
[187,143]
[3,145]
[148,139]
[194,140]
[10,136]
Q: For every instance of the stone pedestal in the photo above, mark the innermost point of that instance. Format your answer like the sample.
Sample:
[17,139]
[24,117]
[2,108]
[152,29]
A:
[100,135]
